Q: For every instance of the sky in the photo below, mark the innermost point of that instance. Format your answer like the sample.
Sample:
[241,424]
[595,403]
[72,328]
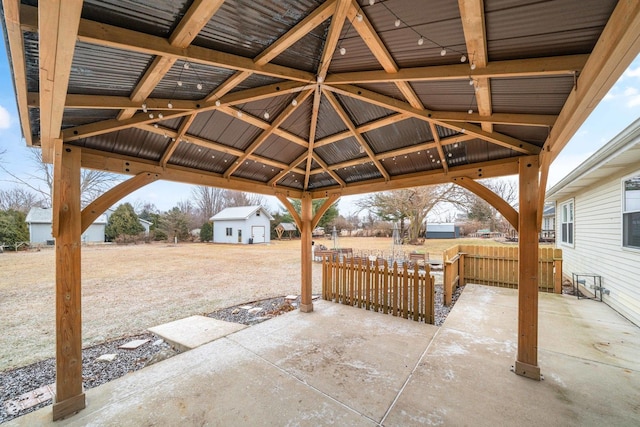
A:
[619,108]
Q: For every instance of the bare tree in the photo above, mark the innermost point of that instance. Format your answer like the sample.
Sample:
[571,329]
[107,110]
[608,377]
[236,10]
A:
[240,198]
[483,213]
[19,199]
[412,204]
[208,200]
[92,183]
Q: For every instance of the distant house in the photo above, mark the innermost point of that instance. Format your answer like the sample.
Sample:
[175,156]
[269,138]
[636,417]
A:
[598,222]
[442,230]
[40,221]
[286,227]
[548,231]
[244,224]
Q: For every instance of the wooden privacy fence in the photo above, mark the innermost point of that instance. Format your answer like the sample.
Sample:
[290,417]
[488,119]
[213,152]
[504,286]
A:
[374,286]
[497,266]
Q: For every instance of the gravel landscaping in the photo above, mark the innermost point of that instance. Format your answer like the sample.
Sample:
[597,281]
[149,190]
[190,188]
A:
[16,383]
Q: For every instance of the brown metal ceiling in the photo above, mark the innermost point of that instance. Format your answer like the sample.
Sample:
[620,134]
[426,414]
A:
[349,128]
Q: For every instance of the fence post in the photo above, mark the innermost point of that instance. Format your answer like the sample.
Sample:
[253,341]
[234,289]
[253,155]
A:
[557,270]
[461,279]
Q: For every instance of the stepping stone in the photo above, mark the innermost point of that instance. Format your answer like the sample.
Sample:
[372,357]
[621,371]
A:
[255,310]
[246,307]
[30,399]
[194,331]
[107,357]
[157,343]
[132,345]
[291,297]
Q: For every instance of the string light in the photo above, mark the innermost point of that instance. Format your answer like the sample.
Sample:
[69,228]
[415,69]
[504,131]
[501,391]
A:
[463,58]
[180,83]
[160,115]
[199,86]
[473,65]
[294,102]
[186,66]
[343,51]
[397,23]
[372,2]
[151,115]
[144,108]
[217,102]
[359,18]
[471,82]
[266,115]
[420,41]
[443,52]
[170,105]
[470,111]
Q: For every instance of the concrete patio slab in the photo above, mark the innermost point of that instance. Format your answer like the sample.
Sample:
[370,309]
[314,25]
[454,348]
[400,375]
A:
[191,332]
[341,365]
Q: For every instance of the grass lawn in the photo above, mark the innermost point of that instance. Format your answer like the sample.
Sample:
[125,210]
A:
[127,289]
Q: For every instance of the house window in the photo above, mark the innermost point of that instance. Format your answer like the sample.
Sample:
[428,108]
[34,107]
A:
[258,213]
[566,219]
[229,231]
[631,213]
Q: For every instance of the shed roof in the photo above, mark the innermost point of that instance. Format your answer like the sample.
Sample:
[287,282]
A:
[287,226]
[45,216]
[239,212]
[327,97]
[618,154]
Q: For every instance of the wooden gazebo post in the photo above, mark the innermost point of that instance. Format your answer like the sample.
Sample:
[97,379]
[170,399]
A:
[67,231]
[527,355]
[306,284]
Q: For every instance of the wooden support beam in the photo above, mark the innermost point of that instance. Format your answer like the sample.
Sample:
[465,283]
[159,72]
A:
[527,358]
[436,139]
[109,162]
[347,121]
[617,47]
[315,18]
[287,204]
[182,130]
[108,199]
[331,39]
[530,67]
[16,54]
[315,110]
[306,282]
[58,27]
[331,200]
[507,211]
[69,397]
[330,171]
[284,115]
[491,169]
[302,157]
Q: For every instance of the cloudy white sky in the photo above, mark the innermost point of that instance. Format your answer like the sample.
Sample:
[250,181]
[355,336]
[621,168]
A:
[619,108]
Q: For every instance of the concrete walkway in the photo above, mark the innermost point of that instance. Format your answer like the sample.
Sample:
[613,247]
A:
[348,367]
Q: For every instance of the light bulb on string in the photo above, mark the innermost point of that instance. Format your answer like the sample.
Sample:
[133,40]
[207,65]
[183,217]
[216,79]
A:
[359,18]
[199,86]
[144,108]
[473,65]
[160,115]
[470,111]
[420,41]
[170,105]
[397,23]
[186,66]
[151,115]
[463,58]
[217,102]
[180,83]
[470,82]
[266,115]
[372,2]
[294,102]
[343,51]
[443,52]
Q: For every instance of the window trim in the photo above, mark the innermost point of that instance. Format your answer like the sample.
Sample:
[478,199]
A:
[623,211]
[569,202]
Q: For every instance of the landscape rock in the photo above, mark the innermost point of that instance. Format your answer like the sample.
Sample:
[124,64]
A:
[132,345]
[107,357]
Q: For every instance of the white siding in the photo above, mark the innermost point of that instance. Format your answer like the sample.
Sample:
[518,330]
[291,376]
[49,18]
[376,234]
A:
[598,246]
[39,233]
[94,234]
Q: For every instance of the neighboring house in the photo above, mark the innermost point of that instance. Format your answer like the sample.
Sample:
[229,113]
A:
[244,224]
[40,220]
[443,230]
[598,221]
[548,231]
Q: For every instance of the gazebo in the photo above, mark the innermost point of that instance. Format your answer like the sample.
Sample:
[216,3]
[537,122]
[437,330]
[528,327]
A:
[308,100]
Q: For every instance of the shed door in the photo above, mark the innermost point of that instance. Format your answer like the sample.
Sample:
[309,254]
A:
[257,232]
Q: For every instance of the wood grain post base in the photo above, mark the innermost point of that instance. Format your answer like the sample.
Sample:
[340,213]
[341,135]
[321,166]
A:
[306,308]
[68,407]
[526,370]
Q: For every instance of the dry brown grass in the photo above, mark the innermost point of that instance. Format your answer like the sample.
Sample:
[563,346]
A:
[127,289]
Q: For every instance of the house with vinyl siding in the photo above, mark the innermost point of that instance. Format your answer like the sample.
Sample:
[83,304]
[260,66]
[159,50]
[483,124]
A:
[243,224]
[598,223]
[40,220]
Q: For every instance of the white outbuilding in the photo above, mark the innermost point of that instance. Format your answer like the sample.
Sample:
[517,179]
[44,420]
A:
[40,220]
[243,224]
